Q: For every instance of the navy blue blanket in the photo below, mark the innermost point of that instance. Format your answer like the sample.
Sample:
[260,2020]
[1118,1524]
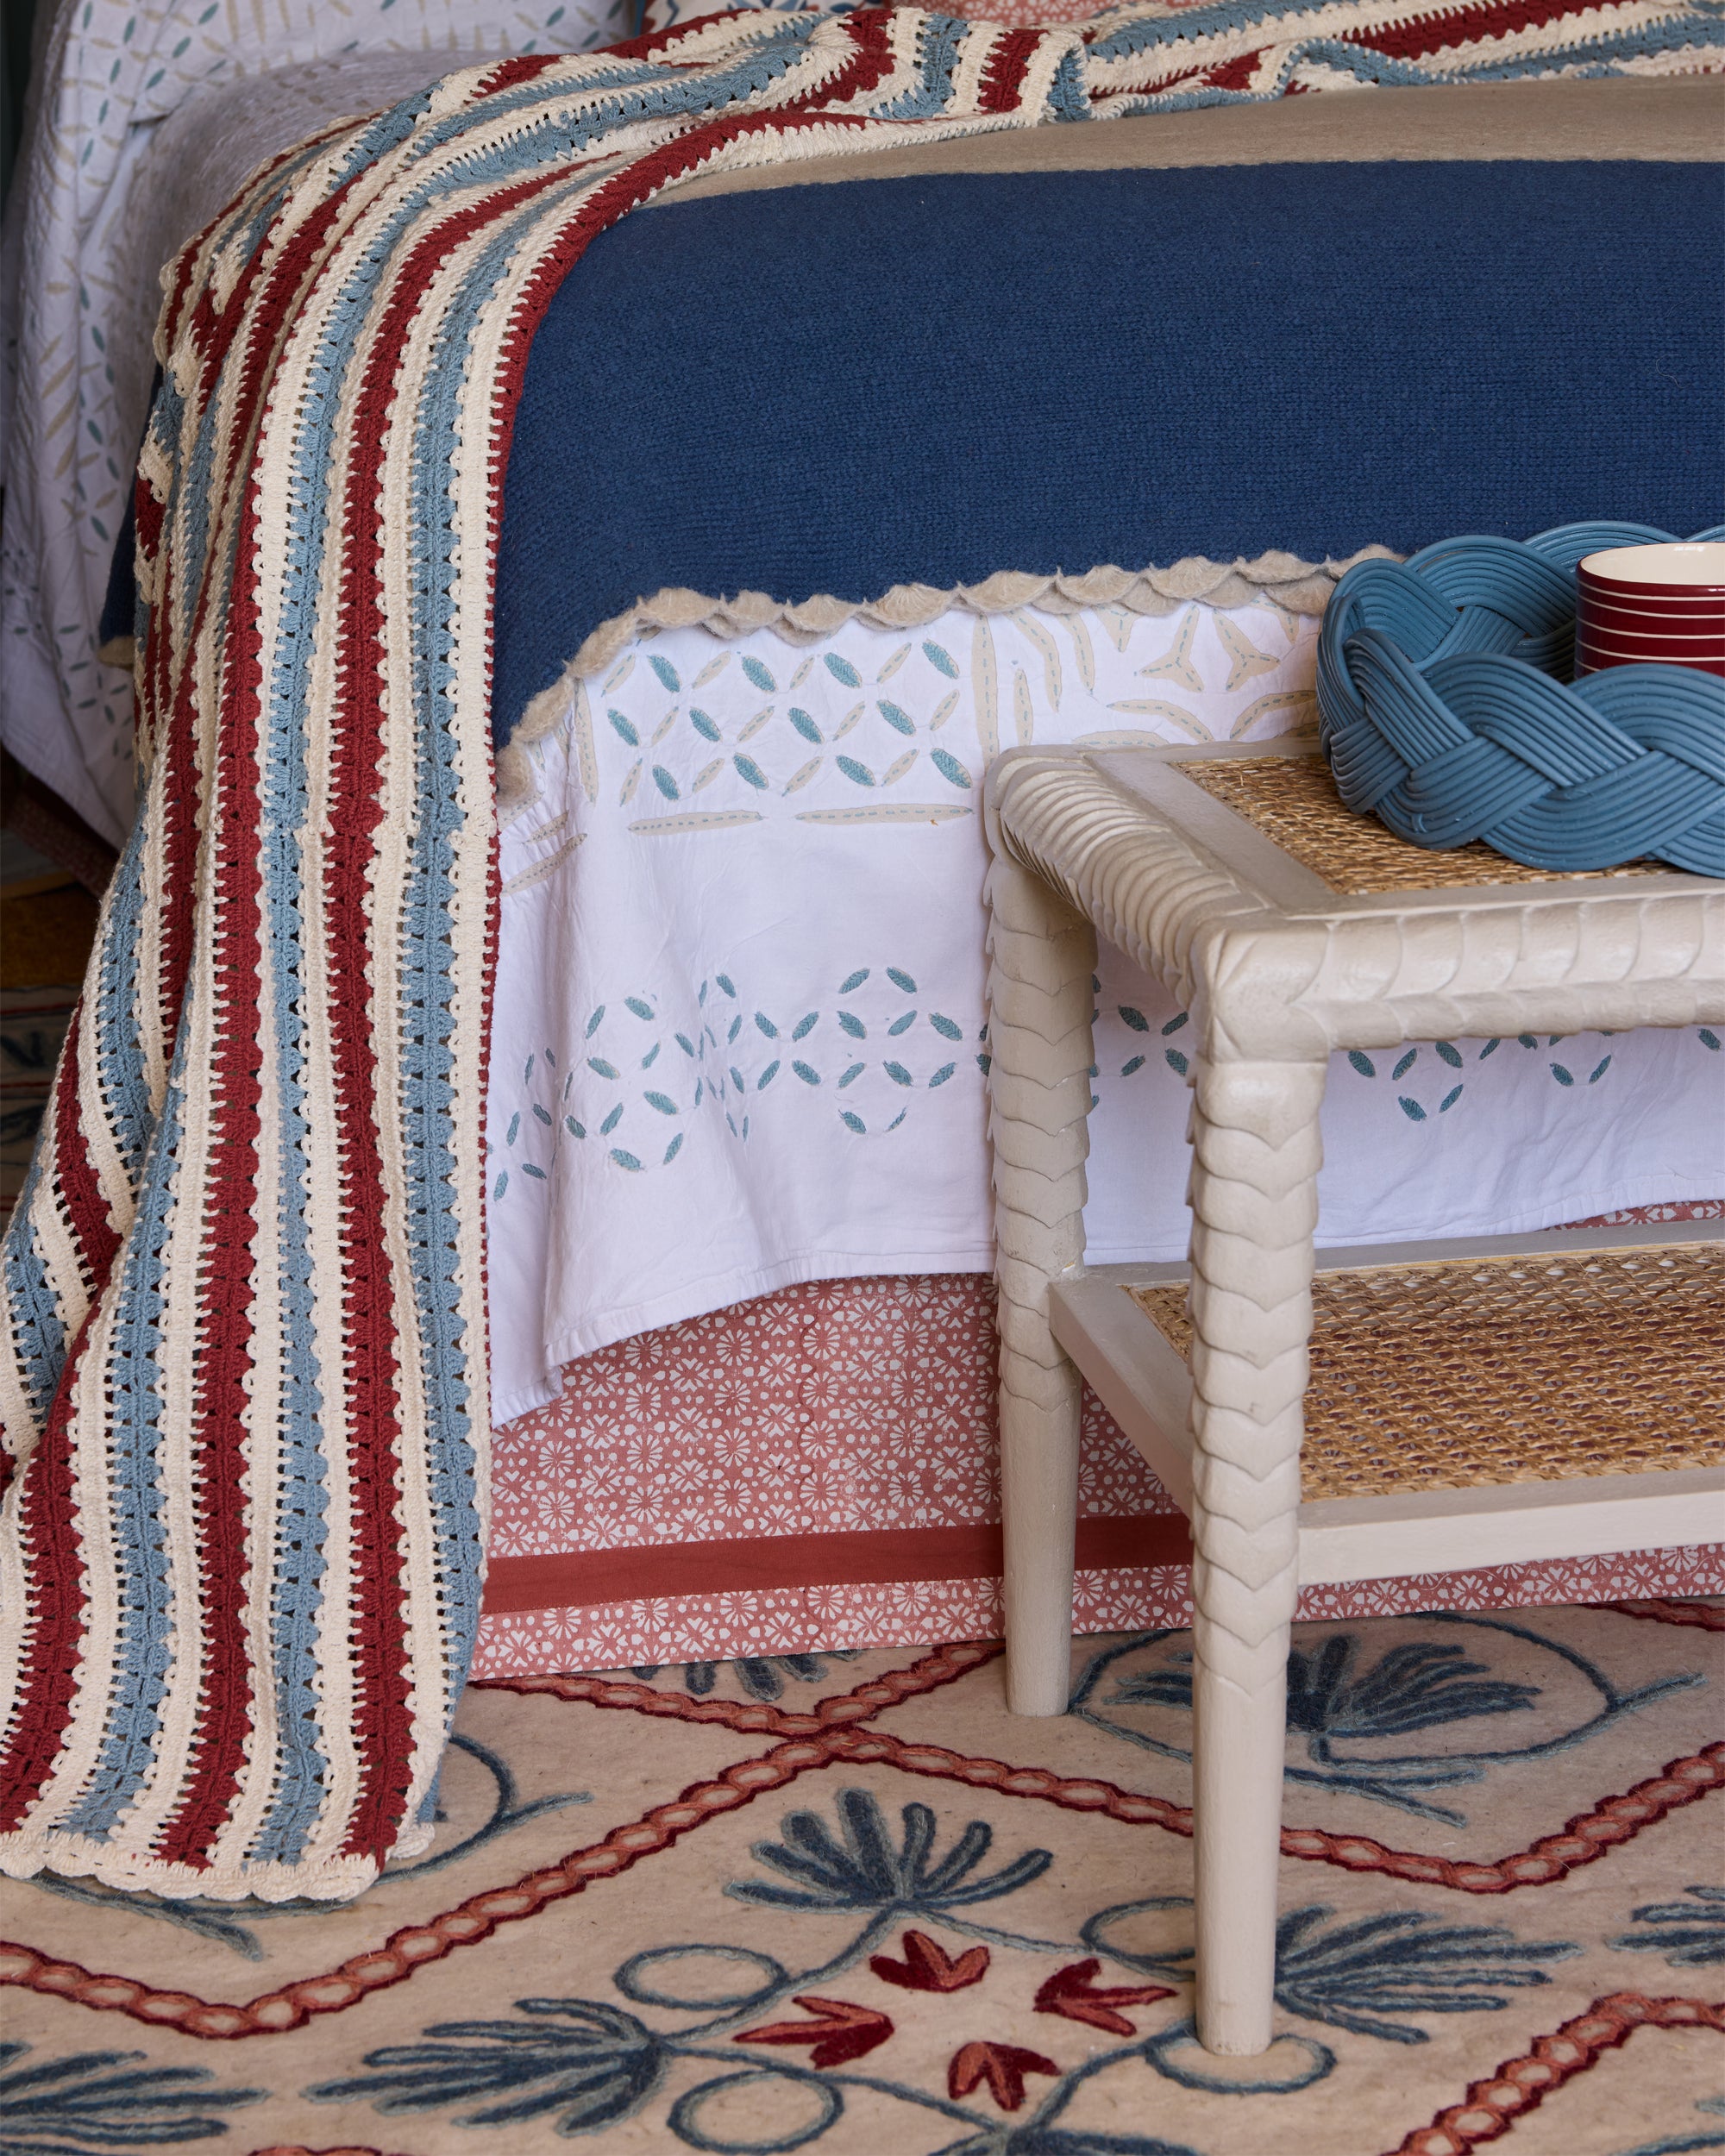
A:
[838,388]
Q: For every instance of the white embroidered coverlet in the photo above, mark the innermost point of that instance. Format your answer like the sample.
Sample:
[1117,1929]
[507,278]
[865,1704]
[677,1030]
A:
[739,1026]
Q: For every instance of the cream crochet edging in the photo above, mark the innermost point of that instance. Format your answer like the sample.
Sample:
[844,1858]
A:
[1302,587]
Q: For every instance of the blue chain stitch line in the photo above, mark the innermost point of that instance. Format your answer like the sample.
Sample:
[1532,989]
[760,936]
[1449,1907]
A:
[1445,710]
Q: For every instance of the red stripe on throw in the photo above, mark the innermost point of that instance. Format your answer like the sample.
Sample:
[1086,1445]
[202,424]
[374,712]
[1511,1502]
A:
[1003,78]
[370,1375]
[55,1568]
[1460,26]
[580,1579]
[522,68]
[79,1189]
[227,1272]
[229,1200]
[370,1369]
[1232,74]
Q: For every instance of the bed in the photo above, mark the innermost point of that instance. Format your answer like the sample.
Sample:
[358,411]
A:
[730,989]
[145,116]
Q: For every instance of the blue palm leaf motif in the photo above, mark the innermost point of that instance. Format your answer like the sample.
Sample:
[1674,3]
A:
[860,1867]
[1421,1684]
[1355,1976]
[99,2100]
[1416,1686]
[35,1050]
[762,1675]
[1689,1934]
[590,2063]
[18,1123]
[1168,1684]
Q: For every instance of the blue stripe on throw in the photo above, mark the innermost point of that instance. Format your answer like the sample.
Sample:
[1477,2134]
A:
[138,1681]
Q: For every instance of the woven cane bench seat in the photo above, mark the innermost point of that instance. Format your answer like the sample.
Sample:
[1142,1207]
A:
[1293,801]
[1535,1368]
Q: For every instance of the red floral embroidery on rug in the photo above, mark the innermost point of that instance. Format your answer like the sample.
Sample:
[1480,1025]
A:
[926,1967]
[1003,2066]
[837,2031]
[1073,1993]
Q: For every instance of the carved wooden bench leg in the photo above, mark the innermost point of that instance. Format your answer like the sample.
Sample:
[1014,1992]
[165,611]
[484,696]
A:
[1041,960]
[1257,1152]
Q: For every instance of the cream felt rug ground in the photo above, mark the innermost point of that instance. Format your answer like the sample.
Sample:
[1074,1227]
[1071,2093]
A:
[849,1905]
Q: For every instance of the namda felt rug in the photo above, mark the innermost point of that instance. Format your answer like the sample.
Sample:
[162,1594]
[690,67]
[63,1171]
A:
[847,1904]
[243,1377]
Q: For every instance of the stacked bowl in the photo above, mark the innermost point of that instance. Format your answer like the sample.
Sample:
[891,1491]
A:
[1660,605]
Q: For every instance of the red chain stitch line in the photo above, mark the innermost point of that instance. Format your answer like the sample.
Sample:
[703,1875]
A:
[403,1951]
[1658,1609]
[295,2149]
[1584,1838]
[1491,2107]
[477,1918]
[760,1717]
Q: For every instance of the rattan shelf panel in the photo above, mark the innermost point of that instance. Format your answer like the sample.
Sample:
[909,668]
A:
[1292,801]
[1456,1374]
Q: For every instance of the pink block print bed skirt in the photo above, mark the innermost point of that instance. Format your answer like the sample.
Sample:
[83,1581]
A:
[816,1470]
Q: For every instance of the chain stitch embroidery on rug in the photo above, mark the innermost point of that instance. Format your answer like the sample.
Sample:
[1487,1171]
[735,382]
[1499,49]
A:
[845,1903]
[243,1382]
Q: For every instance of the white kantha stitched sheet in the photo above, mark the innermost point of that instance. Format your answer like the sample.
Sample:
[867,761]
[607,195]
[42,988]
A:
[97,205]
[738,1023]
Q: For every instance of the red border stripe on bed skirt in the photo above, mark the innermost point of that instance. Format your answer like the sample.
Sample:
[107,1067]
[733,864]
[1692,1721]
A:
[572,1579]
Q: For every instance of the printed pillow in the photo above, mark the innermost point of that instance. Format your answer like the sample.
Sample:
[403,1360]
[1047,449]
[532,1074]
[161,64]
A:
[672,14]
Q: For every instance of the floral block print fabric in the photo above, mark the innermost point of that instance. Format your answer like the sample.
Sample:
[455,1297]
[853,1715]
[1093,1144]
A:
[739,1037]
[764,1438]
[844,1904]
[77,301]
[851,1615]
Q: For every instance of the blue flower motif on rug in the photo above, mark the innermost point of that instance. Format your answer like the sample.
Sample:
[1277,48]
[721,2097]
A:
[1355,1717]
[761,1675]
[96,2103]
[592,2063]
[859,1868]
[1691,1935]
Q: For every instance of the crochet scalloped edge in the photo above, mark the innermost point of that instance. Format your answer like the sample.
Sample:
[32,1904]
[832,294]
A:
[1302,587]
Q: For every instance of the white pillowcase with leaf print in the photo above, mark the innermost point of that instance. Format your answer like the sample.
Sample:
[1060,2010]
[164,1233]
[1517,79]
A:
[674,15]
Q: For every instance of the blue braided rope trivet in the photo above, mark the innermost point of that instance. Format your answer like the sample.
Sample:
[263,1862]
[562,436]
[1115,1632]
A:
[1444,710]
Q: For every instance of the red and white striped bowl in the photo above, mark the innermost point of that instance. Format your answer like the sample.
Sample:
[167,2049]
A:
[1661,605]
[1668,621]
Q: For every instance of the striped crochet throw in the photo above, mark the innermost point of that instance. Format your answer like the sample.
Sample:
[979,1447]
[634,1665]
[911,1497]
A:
[242,1375]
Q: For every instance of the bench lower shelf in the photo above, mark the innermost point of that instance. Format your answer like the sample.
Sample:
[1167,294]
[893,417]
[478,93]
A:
[1618,1336]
